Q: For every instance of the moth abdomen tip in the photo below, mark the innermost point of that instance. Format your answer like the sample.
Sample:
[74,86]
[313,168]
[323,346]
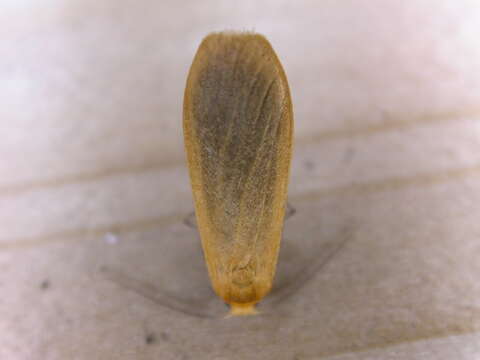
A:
[237,309]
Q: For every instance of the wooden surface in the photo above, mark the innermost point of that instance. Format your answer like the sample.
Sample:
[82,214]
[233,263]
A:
[380,259]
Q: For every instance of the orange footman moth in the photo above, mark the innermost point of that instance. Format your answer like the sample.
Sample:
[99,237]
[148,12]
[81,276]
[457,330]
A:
[238,127]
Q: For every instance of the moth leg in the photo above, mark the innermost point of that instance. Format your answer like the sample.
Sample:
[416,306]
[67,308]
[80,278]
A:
[325,255]
[151,293]
[190,220]
[289,211]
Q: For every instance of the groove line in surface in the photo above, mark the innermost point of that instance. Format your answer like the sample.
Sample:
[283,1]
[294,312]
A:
[179,160]
[362,351]
[353,189]
[393,183]
[396,124]
[69,235]
[86,177]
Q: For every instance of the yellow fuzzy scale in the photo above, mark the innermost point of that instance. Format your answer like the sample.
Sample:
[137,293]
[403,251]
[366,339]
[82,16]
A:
[238,127]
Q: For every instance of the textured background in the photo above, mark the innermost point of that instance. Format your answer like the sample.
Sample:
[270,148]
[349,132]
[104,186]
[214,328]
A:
[381,259]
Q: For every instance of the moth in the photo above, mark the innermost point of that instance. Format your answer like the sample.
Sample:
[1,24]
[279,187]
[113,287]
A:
[238,132]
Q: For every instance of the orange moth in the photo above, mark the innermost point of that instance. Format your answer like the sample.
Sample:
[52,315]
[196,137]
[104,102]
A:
[238,129]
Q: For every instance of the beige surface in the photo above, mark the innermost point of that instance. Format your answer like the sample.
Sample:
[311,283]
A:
[94,254]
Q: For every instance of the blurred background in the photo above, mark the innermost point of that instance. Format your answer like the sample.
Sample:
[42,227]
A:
[380,260]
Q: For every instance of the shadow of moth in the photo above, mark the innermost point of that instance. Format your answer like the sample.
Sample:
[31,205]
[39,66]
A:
[238,127]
